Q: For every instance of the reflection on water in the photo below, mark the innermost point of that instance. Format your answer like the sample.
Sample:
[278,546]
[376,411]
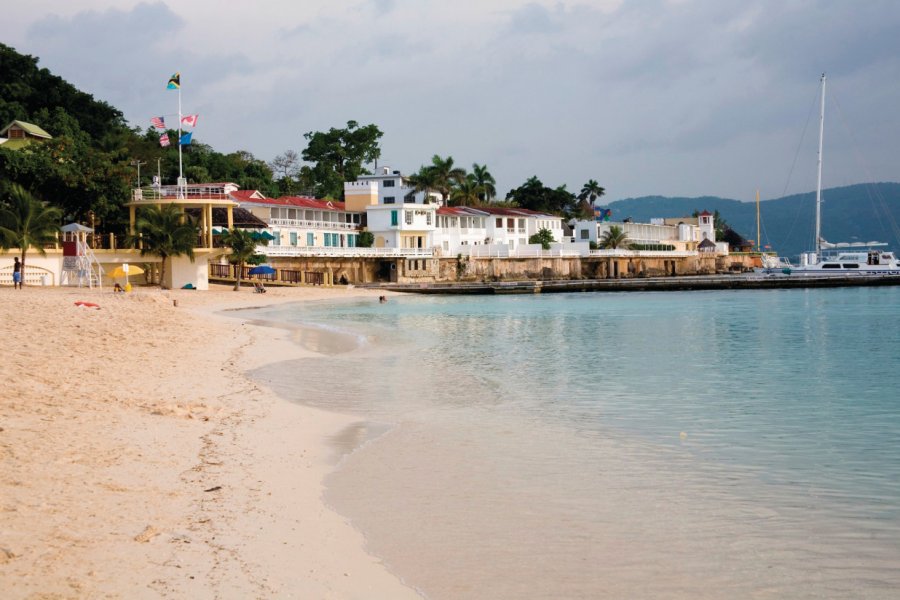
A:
[539,451]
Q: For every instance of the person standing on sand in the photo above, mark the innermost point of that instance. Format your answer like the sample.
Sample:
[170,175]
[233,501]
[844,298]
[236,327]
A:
[17,273]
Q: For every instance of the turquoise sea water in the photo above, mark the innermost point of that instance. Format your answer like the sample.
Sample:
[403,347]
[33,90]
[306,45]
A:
[703,444]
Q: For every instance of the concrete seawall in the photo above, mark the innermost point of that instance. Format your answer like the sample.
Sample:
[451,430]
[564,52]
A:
[649,284]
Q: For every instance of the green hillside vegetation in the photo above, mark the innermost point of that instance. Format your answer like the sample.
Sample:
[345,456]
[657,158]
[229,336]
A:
[86,168]
[855,213]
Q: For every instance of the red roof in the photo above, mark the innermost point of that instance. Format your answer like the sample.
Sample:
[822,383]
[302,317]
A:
[245,195]
[490,210]
[299,201]
[706,213]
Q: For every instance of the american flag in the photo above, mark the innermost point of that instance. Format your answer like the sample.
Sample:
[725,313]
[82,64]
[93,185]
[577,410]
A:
[164,140]
[158,122]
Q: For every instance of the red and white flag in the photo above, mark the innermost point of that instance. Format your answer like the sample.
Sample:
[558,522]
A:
[164,140]
[189,120]
[158,122]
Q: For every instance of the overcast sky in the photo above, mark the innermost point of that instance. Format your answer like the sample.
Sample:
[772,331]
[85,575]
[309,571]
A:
[668,97]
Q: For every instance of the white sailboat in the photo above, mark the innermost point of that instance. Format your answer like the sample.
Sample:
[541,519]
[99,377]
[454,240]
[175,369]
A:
[844,258]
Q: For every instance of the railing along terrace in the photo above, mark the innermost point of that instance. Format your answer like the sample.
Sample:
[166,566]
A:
[174,192]
[312,224]
[622,253]
[348,252]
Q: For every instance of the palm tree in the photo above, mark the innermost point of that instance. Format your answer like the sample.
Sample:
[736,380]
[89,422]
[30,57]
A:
[423,181]
[614,238]
[164,231]
[485,181]
[467,192]
[445,174]
[26,222]
[589,193]
[243,248]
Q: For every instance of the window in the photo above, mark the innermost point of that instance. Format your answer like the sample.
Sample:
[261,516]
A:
[389,183]
[428,219]
[310,239]
[327,240]
[409,199]
[293,238]
[394,218]
[390,199]
[499,222]
[408,214]
[351,240]
[585,234]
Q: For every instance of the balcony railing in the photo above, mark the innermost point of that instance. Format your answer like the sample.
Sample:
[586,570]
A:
[348,252]
[622,253]
[302,224]
[173,192]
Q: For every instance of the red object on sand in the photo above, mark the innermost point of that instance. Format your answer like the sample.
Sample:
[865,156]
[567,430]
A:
[88,304]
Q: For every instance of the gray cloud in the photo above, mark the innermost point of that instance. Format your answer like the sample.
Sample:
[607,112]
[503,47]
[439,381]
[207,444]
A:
[689,98]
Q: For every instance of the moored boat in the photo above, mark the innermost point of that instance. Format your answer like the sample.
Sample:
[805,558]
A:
[837,259]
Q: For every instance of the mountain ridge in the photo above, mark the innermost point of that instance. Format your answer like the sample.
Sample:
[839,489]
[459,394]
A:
[861,212]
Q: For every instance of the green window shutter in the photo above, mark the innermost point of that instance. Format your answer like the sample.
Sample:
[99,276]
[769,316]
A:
[394,218]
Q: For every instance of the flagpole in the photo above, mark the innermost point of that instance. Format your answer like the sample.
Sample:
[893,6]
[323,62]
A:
[181,182]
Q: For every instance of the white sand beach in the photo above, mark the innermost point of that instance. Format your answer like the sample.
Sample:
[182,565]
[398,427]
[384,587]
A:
[139,462]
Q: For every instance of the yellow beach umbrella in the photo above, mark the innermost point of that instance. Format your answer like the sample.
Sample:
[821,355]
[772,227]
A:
[121,272]
[124,271]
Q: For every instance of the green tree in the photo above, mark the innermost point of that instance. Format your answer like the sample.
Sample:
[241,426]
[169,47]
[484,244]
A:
[339,154]
[614,238]
[544,237]
[165,231]
[485,181]
[466,192]
[424,180]
[366,239]
[26,222]
[243,250]
[445,175]
[534,195]
[589,193]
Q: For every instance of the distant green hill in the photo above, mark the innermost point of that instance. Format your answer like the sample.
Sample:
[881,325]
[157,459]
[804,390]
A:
[855,213]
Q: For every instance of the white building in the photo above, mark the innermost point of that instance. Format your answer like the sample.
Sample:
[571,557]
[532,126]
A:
[301,222]
[461,226]
[397,215]
[683,234]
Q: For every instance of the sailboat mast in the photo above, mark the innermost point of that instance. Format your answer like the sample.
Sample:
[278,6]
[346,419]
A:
[819,175]
[758,242]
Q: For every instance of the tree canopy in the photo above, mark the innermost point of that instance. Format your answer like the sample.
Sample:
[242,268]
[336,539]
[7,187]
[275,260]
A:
[534,195]
[338,155]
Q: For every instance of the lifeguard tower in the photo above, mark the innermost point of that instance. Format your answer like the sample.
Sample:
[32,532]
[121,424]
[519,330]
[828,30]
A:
[80,267]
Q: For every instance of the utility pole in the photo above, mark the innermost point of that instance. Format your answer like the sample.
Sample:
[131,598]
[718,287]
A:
[138,163]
